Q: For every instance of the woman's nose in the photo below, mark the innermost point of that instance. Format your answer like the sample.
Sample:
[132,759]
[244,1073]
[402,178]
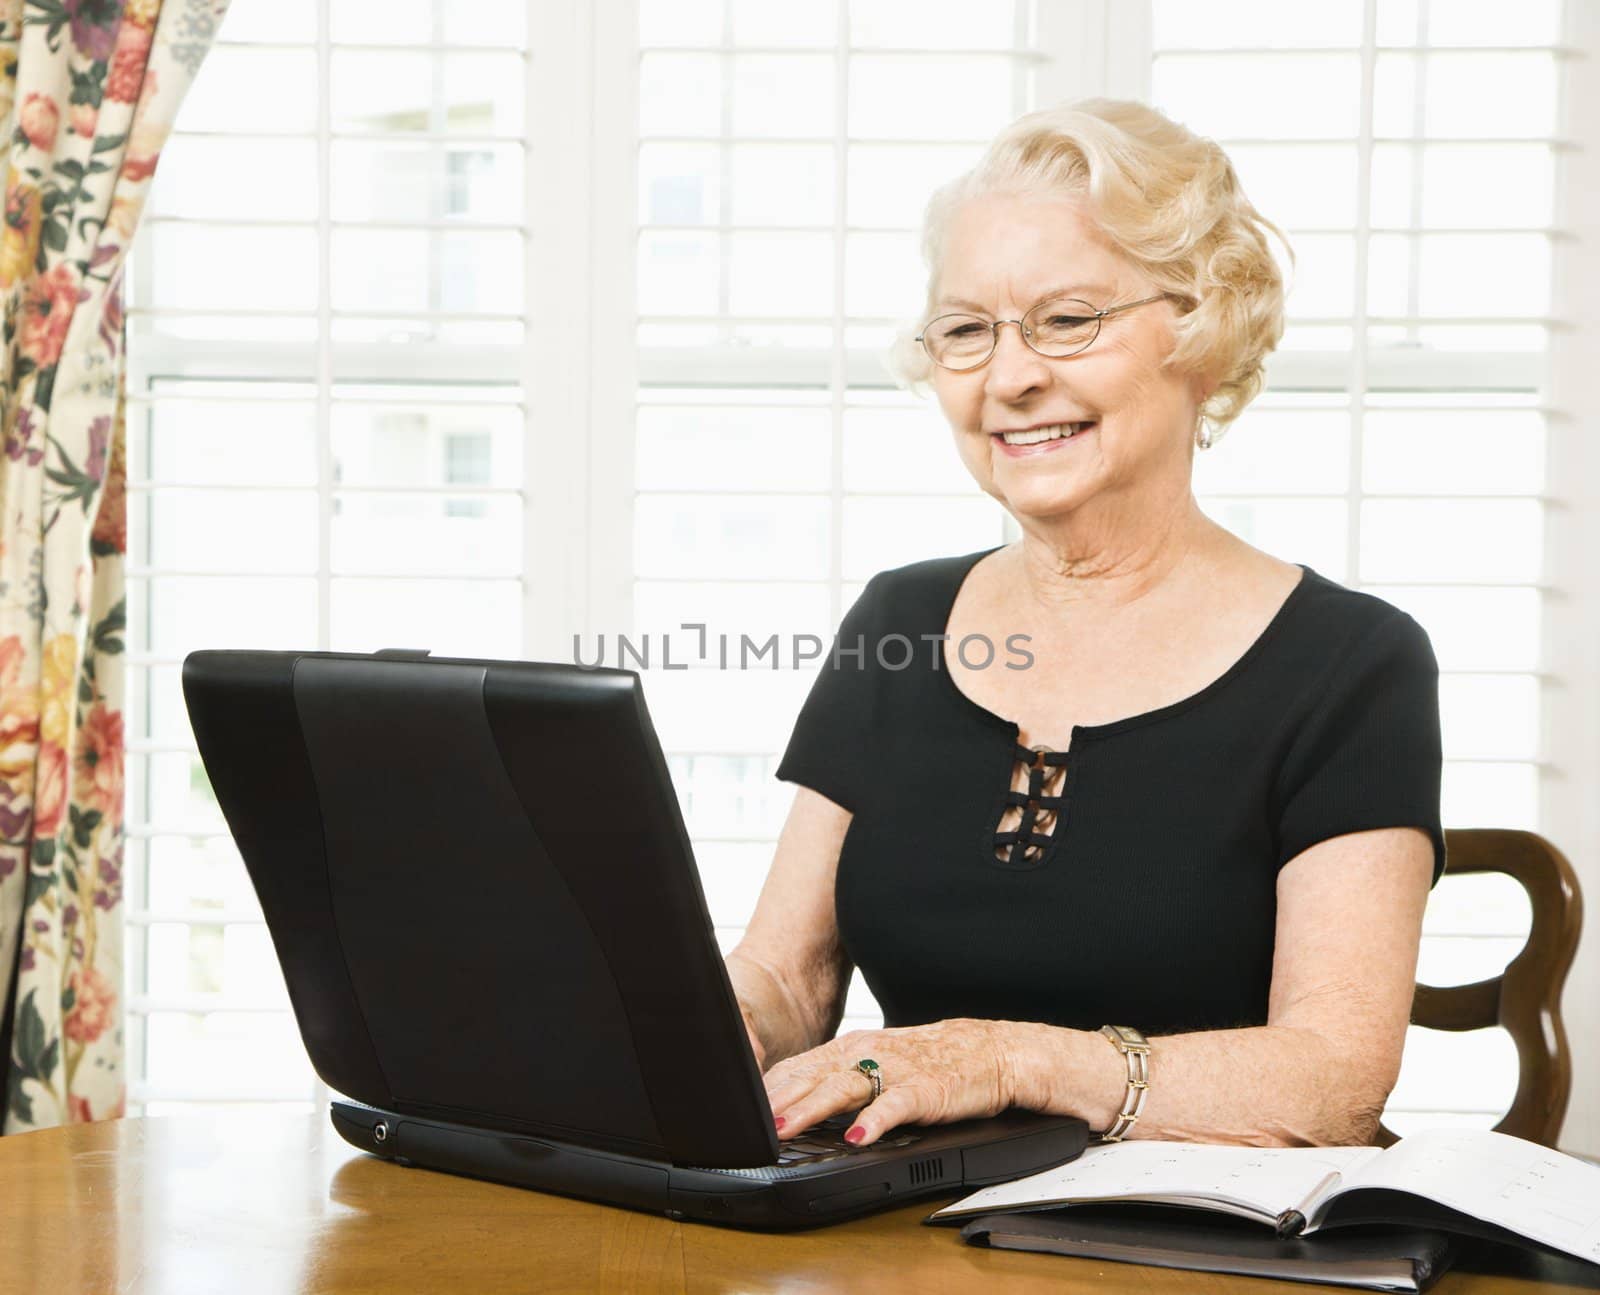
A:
[1015,367]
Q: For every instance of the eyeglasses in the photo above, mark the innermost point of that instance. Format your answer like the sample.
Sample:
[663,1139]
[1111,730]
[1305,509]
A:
[1056,327]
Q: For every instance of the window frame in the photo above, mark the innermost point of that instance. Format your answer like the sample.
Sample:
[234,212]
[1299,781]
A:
[580,367]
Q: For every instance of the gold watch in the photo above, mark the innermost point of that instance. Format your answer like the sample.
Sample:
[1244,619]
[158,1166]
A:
[1136,1049]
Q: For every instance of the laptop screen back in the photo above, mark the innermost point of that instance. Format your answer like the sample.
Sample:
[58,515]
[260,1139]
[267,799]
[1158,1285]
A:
[480,888]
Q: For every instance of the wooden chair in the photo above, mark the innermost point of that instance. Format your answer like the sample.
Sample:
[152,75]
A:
[1525,999]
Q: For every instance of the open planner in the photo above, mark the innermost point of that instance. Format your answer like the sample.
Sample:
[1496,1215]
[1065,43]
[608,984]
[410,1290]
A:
[1467,1181]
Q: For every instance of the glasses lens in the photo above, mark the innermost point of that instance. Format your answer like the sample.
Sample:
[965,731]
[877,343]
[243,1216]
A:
[958,341]
[1062,325]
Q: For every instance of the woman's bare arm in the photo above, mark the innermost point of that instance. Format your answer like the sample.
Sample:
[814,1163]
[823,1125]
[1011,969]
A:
[1320,1070]
[789,972]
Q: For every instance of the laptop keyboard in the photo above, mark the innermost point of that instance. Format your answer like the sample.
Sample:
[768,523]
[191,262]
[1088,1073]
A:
[825,1141]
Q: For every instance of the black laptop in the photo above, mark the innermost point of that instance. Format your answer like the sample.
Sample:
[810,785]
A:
[483,897]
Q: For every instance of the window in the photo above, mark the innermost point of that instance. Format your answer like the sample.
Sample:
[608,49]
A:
[326,443]
[1400,447]
[784,159]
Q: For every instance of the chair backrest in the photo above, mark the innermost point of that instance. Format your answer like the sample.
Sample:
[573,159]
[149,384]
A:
[1525,999]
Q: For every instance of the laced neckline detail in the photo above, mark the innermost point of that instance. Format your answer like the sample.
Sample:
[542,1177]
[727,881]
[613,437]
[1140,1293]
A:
[1042,806]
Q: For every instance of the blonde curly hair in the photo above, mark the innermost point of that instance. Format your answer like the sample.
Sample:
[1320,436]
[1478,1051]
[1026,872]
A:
[1169,201]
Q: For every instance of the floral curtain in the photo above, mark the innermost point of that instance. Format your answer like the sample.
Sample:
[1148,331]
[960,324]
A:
[88,93]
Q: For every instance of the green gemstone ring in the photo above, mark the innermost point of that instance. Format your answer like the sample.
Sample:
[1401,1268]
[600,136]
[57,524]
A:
[870,1068]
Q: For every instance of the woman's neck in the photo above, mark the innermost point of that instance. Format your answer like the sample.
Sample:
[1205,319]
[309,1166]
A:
[1064,567]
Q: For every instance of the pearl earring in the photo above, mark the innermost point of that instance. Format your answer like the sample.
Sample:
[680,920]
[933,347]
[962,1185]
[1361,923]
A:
[1202,436]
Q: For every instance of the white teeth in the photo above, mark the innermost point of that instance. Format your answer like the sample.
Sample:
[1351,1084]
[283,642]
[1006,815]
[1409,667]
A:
[1040,434]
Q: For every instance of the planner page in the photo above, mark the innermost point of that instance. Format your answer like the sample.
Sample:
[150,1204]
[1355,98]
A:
[1540,1193]
[1260,1182]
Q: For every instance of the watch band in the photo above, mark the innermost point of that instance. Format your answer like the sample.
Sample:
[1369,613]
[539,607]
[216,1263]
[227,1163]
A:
[1136,1049]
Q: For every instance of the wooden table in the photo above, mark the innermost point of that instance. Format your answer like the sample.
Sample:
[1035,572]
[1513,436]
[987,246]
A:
[225,1204]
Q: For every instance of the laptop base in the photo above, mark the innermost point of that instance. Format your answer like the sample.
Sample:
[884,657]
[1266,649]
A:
[946,1159]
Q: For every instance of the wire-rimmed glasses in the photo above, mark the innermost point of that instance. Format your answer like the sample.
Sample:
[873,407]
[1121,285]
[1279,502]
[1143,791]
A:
[1055,328]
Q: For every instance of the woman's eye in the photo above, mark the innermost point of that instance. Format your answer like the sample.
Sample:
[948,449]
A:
[967,330]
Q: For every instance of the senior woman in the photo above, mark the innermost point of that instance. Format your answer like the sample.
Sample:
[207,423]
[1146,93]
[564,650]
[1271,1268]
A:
[1197,802]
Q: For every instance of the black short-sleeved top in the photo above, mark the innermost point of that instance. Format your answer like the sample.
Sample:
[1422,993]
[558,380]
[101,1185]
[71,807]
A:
[1154,902]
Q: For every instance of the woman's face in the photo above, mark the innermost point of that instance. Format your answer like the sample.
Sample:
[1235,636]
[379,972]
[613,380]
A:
[1002,256]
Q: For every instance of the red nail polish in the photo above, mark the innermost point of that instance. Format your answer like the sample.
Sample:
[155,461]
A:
[855,1133]
[778,1121]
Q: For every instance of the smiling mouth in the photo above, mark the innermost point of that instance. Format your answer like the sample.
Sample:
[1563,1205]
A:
[1039,435]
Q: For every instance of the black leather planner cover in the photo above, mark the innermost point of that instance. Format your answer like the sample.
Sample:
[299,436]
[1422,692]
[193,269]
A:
[1367,1258]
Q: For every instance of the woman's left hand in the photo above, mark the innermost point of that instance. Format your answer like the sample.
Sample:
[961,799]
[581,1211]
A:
[932,1074]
